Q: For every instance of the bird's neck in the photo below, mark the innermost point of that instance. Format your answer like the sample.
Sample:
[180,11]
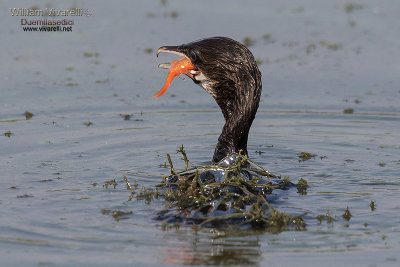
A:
[238,120]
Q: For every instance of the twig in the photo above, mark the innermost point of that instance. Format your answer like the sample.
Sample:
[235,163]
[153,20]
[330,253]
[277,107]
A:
[128,184]
[170,164]
[183,152]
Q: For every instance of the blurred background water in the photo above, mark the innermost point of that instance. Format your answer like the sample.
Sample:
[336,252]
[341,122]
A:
[330,87]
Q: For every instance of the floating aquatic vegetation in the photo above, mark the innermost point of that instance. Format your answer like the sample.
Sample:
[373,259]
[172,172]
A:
[267,36]
[306,156]
[71,84]
[149,50]
[334,46]
[126,117]
[28,115]
[8,133]
[231,193]
[350,7]
[310,48]
[327,216]
[173,14]
[110,182]
[91,54]
[347,214]
[46,180]
[106,80]
[144,194]
[117,214]
[24,196]
[372,205]
[248,41]
[302,187]
[348,111]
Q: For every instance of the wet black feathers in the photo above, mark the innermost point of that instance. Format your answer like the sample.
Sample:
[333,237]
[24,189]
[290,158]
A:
[232,72]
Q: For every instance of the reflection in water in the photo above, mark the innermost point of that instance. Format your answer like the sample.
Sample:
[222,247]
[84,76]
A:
[218,249]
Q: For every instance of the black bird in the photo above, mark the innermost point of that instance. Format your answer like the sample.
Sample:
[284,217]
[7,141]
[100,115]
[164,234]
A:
[227,70]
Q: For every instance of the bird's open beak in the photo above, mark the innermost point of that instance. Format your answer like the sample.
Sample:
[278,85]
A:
[177,67]
[171,50]
[176,51]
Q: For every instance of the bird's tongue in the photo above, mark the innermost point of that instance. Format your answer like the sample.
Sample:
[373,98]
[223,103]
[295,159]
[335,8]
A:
[177,67]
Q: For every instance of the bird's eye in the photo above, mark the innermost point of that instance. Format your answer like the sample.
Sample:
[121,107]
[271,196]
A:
[193,55]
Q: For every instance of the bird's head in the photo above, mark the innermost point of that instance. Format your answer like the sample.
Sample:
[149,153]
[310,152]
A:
[223,67]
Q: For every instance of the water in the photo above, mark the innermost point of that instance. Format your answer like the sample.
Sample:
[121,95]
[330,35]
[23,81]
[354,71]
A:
[317,60]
